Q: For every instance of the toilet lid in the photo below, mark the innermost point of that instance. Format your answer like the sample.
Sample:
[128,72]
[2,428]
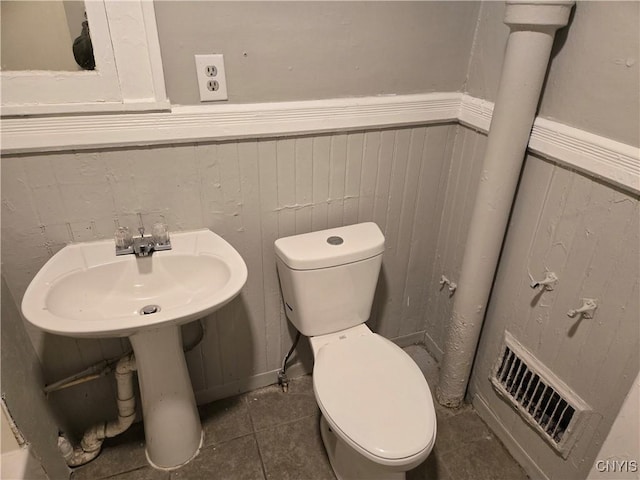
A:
[376,395]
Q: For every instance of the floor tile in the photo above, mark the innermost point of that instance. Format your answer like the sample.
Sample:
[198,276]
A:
[431,371]
[427,364]
[270,406]
[446,412]
[144,473]
[225,420]
[433,468]
[236,459]
[484,459]
[457,431]
[268,432]
[119,455]
[294,451]
[301,385]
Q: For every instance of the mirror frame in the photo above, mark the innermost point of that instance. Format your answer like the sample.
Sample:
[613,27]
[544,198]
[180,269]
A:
[128,74]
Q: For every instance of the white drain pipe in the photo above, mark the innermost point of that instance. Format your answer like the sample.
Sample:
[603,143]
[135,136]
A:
[533,25]
[92,439]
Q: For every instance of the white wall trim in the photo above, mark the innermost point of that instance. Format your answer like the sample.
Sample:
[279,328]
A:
[432,347]
[222,122]
[611,161]
[246,384]
[128,77]
[416,338]
[265,379]
[475,113]
[602,157]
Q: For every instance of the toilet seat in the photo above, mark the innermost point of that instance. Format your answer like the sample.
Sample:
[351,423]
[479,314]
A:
[375,398]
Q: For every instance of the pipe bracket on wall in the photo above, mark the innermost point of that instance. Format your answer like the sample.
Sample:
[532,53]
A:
[549,282]
[586,310]
[445,281]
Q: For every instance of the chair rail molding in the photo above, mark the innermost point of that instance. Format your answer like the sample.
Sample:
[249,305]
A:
[613,162]
[206,123]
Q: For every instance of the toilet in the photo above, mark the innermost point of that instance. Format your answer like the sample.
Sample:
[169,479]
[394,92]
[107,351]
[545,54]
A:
[378,419]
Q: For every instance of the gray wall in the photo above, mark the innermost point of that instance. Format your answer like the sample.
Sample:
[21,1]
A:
[588,234]
[593,80]
[583,230]
[282,51]
[22,383]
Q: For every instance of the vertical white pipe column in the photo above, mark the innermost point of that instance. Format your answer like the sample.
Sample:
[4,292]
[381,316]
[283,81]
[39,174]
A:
[533,25]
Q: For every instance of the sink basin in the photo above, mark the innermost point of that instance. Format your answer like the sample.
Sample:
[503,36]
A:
[85,290]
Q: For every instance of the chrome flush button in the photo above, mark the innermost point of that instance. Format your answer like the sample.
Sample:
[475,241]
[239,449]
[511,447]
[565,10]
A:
[335,241]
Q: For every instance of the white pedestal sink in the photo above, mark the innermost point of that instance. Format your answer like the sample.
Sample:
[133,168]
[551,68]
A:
[85,290]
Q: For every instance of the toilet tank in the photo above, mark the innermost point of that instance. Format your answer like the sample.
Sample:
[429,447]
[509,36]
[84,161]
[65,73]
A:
[329,277]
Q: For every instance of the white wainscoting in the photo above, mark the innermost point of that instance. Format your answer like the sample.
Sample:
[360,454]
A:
[250,192]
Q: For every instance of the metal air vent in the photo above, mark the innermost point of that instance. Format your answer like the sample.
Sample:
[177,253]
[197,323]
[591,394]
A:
[538,395]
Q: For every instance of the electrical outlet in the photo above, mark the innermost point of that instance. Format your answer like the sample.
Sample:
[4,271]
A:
[211,77]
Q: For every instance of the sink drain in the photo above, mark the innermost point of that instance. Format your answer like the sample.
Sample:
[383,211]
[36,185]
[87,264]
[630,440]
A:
[149,309]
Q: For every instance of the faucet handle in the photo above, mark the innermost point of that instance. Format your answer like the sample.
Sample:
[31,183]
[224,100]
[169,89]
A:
[160,234]
[123,238]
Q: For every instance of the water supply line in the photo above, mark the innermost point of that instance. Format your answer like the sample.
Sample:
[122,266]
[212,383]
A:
[533,24]
[283,380]
[92,440]
[93,372]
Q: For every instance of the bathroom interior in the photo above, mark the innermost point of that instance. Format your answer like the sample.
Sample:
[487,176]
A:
[331,114]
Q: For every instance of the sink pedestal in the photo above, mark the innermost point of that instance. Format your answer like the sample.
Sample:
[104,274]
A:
[171,422]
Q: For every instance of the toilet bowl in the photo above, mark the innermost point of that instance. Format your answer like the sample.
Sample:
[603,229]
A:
[378,420]
[375,402]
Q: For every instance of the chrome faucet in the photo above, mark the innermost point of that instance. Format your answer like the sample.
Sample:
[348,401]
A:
[142,246]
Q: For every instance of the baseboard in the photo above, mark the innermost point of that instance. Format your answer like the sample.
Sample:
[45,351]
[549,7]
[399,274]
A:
[432,347]
[410,339]
[265,379]
[247,384]
[515,449]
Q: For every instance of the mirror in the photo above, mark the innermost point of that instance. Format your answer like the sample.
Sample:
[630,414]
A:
[128,65]
[44,35]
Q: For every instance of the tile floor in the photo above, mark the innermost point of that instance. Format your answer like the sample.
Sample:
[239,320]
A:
[267,434]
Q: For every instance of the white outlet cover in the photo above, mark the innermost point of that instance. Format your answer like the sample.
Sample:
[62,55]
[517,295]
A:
[204,75]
